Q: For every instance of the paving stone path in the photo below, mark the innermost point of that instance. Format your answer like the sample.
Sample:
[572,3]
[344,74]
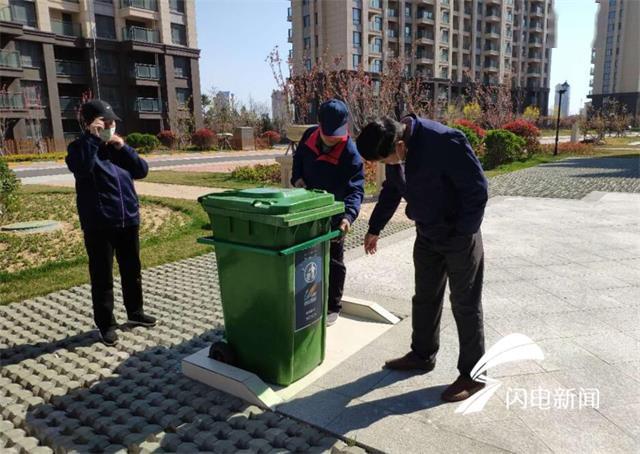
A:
[571,178]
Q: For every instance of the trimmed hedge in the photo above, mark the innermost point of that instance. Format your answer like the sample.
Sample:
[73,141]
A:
[9,185]
[143,143]
[502,147]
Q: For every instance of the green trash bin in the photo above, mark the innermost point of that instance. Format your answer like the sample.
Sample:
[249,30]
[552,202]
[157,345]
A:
[272,250]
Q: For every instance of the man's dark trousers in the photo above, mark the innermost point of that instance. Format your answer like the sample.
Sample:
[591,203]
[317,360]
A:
[337,275]
[461,259]
[101,245]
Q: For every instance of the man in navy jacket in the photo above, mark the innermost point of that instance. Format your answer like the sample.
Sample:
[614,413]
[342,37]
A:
[435,169]
[327,159]
[104,168]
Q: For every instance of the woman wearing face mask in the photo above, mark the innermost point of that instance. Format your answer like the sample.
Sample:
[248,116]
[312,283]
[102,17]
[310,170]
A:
[104,168]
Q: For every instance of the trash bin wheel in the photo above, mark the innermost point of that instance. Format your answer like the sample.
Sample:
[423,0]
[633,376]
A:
[221,351]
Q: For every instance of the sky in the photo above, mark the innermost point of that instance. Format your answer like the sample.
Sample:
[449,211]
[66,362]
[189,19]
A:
[235,37]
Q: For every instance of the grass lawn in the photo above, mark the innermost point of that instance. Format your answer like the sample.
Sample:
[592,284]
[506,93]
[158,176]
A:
[552,132]
[620,142]
[206,179]
[41,263]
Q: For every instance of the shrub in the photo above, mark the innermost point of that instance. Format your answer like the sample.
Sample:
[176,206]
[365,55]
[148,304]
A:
[528,131]
[472,137]
[531,113]
[472,111]
[9,185]
[501,147]
[272,137]
[258,174]
[576,148]
[168,138]
[204,139]
[471,125]
[143,143]
[26,157]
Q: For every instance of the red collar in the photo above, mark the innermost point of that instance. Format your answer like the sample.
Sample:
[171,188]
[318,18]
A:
[333,156]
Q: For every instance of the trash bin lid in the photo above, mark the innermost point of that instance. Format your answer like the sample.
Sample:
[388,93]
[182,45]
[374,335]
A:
[270,201]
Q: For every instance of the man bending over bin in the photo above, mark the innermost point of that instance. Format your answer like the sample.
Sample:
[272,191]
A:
[104,168]
[446,193]
[327,159]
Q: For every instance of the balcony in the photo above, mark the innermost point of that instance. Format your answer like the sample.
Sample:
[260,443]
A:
[10,59]
[12,101]
[425,16]
[493,16]
[392,34]
[290,36]
[145,35]
[535,26]
[535,42]
[147,105]
[392,14]
[425,38]
[69,105]
[289,16]
[375,50]
[424,58]
[149,5]
[492,50]
[491,67]
[537,12]
[70,68]
[492,33]
[65,28]
[145,72]
[375,28]
[535,56]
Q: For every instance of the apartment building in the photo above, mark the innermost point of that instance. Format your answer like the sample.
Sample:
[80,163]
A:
[141,56]
[448,42]
[616,55]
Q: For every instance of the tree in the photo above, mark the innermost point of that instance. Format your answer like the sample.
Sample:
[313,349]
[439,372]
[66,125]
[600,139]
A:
[472,111]
[531,113]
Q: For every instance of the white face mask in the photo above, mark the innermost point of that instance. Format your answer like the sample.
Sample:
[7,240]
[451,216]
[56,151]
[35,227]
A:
[107,133]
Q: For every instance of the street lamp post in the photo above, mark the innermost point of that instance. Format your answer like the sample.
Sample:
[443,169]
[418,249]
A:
[563,89]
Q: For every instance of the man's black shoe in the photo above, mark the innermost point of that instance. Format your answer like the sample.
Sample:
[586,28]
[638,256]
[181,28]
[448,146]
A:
[142,320]
[410,361]
[109,337]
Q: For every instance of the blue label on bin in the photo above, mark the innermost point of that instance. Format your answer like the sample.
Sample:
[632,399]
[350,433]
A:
[309,286]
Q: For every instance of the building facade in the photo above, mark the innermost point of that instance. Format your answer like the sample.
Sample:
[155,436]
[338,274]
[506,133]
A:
[446,41]
[616,55]
[566,97]
[141,56]
[279,109]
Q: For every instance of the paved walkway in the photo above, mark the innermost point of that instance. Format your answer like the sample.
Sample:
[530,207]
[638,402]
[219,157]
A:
[571,178]
[563,272]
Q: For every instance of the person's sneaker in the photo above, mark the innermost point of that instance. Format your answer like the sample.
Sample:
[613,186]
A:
[410,361]
[332,318]
[109,337]
[461,389]
[142,320]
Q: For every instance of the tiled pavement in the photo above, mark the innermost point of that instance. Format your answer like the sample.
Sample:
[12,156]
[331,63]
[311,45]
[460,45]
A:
[61,389]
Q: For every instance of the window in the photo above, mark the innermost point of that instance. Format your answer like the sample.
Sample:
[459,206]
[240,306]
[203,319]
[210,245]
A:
[357,39]
[445,17]
[317,42]
[376,66]
[306,21]
[479,43]
[315,18]
[182,97]
[307,64]
[176,6]
[105,27]
[179,34]
[407,31]
[357,14]
[24,12]
[377,45]
[445,36]
[357,61]
[34,93]
[30,53]
[307,43]
[407,10]
[108,62]
[112,96]
[181,67]
[377,23]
